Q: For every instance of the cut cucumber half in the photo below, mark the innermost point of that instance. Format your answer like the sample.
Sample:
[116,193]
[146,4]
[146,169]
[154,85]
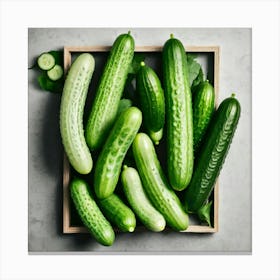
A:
[55,73]
[46,61]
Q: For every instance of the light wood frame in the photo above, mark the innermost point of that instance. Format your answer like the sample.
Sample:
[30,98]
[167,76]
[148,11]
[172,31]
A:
[68,50]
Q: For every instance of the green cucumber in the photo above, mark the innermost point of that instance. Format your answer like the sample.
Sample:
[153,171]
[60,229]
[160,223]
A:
[55,73]
[110,159]
[155,183]
[152,101]
[203,109]
[109,92]
[178,114]
[118,213]
[46,61]
[71,113]
[212,153]
[90,213]
[137,198]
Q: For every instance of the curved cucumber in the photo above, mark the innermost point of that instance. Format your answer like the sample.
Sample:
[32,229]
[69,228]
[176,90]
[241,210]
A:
[137,198]
[109,162]
[203,109]
[90,214]
[178,114]
[152,101]
[155,184]
[118,213]
[110,89]
[71,113]
[212,153]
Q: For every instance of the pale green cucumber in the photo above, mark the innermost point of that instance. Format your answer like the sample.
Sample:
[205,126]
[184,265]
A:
[138,200]
[71,113]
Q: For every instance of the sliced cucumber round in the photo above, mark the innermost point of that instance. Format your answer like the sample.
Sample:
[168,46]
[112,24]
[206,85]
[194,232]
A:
[55,73]
[46,61]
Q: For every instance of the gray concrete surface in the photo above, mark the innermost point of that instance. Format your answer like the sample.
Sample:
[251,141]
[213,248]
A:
[45,150]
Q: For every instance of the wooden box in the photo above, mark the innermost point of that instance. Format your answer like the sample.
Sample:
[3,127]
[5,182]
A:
[211,55]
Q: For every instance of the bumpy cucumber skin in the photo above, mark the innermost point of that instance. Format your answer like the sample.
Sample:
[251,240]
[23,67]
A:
[90,214]
[212,154]
[71,113]
[109,162]
[110,89]
[152,101]
[137,198]
[118,213]
[155,184]
[203,109]
[179,117]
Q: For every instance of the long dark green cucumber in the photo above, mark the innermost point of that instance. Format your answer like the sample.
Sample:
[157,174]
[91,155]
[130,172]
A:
[152,101]
[212,154]
[118,213]
[110,89]
[90,214]
[140,203]
[155,183]
[71,113]
[203,109]
[178,114]
[110,159]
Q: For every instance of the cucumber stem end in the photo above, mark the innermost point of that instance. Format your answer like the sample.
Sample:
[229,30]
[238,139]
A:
[142,63]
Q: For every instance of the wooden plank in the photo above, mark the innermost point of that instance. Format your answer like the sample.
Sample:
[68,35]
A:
[67,227]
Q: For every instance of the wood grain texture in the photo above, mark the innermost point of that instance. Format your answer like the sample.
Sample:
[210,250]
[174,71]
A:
[68,50]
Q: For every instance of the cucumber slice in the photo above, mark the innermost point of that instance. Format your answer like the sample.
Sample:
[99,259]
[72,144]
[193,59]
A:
[55,73]
[46,61]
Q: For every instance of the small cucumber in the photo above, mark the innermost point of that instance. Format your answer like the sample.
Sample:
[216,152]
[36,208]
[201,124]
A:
[137,198]
[155,184]
[152,101]
[118,213]
[110,159]
[212,153]
[71,113]
[90,214]
[179,117]
[203,109]
[109,92]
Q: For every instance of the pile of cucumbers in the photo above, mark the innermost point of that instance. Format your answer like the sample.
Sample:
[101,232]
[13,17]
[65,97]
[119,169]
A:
[197,137]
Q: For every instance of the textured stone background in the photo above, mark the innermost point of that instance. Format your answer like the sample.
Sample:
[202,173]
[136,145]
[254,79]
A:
[45,149]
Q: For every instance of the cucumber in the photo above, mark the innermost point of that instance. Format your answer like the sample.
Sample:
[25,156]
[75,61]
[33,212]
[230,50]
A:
[71,113]
[178,114]
[137,198]
[118,213]
[152,101]
[110,159]
[46,61]
[90,214]
[212,154]
[55,73]
[109,92]
[203,109]
[155,183]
